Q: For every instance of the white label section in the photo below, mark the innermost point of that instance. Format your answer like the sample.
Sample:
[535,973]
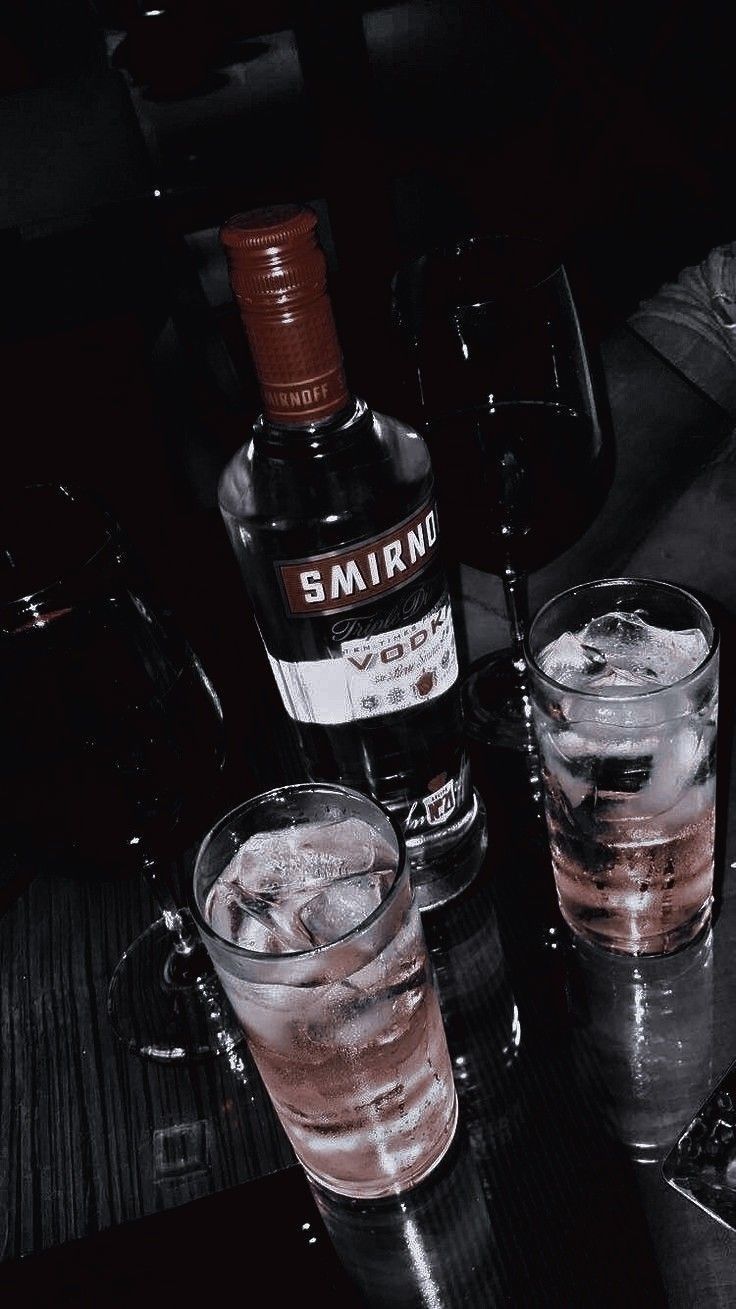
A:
[378,675]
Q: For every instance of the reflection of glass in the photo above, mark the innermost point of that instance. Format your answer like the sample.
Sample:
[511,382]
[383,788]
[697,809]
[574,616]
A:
[432,1247]
[624,679]
[646,1027]
[344,1023]
[112,742]
[507,405]
[480,1012]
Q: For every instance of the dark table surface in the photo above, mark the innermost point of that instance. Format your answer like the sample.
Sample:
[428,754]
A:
[575,1070]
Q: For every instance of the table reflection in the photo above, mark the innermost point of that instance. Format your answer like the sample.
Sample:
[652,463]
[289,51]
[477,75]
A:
[432,1246]
[643,1036]
[478,1005]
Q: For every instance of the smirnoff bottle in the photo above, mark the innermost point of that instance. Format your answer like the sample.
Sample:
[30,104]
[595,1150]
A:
[331,512]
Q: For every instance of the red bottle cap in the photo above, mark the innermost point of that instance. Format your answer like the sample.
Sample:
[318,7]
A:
[279,279]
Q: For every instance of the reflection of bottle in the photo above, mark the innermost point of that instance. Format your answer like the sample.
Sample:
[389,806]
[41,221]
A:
[643,1029]
[330,509]
[432,1246]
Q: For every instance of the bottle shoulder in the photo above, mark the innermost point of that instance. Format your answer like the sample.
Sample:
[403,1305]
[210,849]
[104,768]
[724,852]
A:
[371,458]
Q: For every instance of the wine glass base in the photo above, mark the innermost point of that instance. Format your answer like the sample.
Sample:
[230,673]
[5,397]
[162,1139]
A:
[169,1006]
[496,705]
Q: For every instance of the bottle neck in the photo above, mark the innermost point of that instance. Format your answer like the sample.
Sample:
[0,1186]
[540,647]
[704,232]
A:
[278,274]
[341,425]
[297,358]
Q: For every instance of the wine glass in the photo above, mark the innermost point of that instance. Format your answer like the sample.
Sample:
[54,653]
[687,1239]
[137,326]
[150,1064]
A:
[505,397]
[112,748]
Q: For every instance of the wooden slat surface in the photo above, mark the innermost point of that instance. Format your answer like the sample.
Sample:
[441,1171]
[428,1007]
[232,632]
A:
[78,1113]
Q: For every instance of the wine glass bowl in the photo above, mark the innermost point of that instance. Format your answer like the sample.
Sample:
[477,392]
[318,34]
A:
[113,740]
[506,399]
[107,714]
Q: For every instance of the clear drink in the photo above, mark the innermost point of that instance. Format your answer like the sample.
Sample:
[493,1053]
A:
[304,901]
[625,700]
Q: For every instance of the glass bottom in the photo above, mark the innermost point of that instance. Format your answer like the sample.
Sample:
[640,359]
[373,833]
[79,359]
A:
[383,1188]
[496,704]
[167,1005]
[451,862]
[662,943]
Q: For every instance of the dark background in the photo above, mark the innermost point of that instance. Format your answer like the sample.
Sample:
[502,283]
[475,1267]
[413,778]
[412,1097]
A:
[129,133]
[127,136]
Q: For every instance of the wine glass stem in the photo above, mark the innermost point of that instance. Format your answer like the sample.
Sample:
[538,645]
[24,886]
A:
[189,965]
[184,937]
[516,595]
[515,590]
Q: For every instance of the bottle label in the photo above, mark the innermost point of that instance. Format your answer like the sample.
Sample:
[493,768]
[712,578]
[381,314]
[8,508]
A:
[380,674]
[354,575]
[439,805]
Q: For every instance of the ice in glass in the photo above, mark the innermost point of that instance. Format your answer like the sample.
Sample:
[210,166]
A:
[625,697]
[304,901]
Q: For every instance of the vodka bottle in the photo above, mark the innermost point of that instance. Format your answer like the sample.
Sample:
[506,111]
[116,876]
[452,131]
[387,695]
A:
[331,512]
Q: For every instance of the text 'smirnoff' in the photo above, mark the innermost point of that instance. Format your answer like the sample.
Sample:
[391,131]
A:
[356,574]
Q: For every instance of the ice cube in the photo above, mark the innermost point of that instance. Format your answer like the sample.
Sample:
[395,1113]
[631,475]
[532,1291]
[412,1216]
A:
[567,659]
[622,775]
[301,859]
[266,1011]
[222,912]
[344,905]
[252,923]
[259,897]
[615,631]
[256,935]
[674,765]
[681,652]
[623,650]
[644,654]
[611,675]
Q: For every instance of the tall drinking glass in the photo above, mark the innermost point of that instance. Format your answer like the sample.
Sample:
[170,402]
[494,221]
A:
[507,403]
[624,677]
[303,898]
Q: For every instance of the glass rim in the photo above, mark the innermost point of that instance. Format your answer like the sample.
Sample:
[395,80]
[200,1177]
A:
[34,598]
[319,951]
[614,698]
[450,250]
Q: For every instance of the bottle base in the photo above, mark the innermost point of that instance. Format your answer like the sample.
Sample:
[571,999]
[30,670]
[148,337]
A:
[442,868]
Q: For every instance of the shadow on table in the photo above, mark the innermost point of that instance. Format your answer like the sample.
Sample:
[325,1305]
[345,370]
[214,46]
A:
[247,1245]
